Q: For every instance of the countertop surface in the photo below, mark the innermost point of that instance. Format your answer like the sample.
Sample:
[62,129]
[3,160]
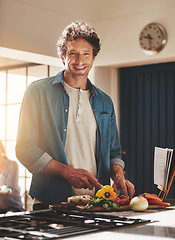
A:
[162,226]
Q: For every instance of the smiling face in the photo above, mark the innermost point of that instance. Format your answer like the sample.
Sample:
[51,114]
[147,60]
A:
[78,61]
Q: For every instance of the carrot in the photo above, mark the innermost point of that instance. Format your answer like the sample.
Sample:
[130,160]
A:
[150,196]
[158,202]
[153,199]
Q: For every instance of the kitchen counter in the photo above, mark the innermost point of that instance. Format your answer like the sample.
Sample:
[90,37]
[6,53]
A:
[50,223]
[162,226]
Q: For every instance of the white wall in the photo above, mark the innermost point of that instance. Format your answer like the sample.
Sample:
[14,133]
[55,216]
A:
[120,38]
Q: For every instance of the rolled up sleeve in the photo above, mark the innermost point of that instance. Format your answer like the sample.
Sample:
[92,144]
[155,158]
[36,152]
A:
[40,164]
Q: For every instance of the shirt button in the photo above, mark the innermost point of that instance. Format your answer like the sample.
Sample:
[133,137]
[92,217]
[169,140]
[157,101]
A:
[66,110]
[65,129]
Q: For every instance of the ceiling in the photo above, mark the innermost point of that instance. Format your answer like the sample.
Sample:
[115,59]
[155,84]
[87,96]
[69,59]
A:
[98,10]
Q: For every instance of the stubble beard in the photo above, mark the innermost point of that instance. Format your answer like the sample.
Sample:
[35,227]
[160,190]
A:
[78,77]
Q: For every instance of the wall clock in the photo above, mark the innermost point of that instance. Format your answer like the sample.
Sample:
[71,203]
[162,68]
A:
[153,38]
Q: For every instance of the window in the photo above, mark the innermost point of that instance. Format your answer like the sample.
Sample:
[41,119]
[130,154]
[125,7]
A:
[13,83]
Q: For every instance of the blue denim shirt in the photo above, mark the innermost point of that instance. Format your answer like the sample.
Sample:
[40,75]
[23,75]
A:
[42,136]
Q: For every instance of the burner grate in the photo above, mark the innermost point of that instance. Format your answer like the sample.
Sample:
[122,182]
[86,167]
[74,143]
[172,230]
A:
[52,224]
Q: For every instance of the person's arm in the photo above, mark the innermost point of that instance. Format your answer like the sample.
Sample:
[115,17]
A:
[117,164]
[120,183]
[28,151]
[10,179]
[11,175]
[78,178]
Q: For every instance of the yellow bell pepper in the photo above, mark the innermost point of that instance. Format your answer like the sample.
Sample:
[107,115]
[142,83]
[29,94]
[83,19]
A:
[107,192]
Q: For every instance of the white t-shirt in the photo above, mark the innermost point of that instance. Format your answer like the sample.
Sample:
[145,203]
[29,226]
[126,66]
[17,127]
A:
[81,134]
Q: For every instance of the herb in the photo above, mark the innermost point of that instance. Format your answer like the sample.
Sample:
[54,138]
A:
[102,202]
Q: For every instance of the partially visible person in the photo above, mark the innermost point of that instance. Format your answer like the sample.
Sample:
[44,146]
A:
[9,178]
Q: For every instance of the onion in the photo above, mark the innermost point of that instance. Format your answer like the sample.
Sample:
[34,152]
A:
[139,204]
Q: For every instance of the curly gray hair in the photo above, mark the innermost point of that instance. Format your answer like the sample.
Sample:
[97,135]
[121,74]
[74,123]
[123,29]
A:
[78,29]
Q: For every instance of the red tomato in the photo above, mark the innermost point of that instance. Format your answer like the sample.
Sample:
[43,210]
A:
[123,201]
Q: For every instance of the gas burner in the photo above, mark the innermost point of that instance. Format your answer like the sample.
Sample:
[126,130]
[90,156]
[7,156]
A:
[51,224]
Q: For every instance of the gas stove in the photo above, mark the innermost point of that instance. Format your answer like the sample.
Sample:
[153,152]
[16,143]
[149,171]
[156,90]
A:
[54,224]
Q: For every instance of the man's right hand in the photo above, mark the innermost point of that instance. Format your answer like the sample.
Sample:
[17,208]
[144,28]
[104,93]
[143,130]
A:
[78,178]
[81,178]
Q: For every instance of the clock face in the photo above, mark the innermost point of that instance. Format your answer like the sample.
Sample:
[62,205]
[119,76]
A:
[153,38]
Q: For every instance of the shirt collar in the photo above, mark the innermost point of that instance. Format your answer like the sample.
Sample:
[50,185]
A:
[59,79]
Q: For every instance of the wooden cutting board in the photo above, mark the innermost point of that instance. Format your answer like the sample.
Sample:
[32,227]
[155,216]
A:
[66,206]
[123,208]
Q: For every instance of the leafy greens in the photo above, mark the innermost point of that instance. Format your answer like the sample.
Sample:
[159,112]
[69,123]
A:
[102,202]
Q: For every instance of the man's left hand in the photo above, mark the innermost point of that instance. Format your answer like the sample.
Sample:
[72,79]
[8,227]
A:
[125,185]
[120,183]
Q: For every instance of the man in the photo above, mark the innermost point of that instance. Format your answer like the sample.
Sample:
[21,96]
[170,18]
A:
[67,136]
